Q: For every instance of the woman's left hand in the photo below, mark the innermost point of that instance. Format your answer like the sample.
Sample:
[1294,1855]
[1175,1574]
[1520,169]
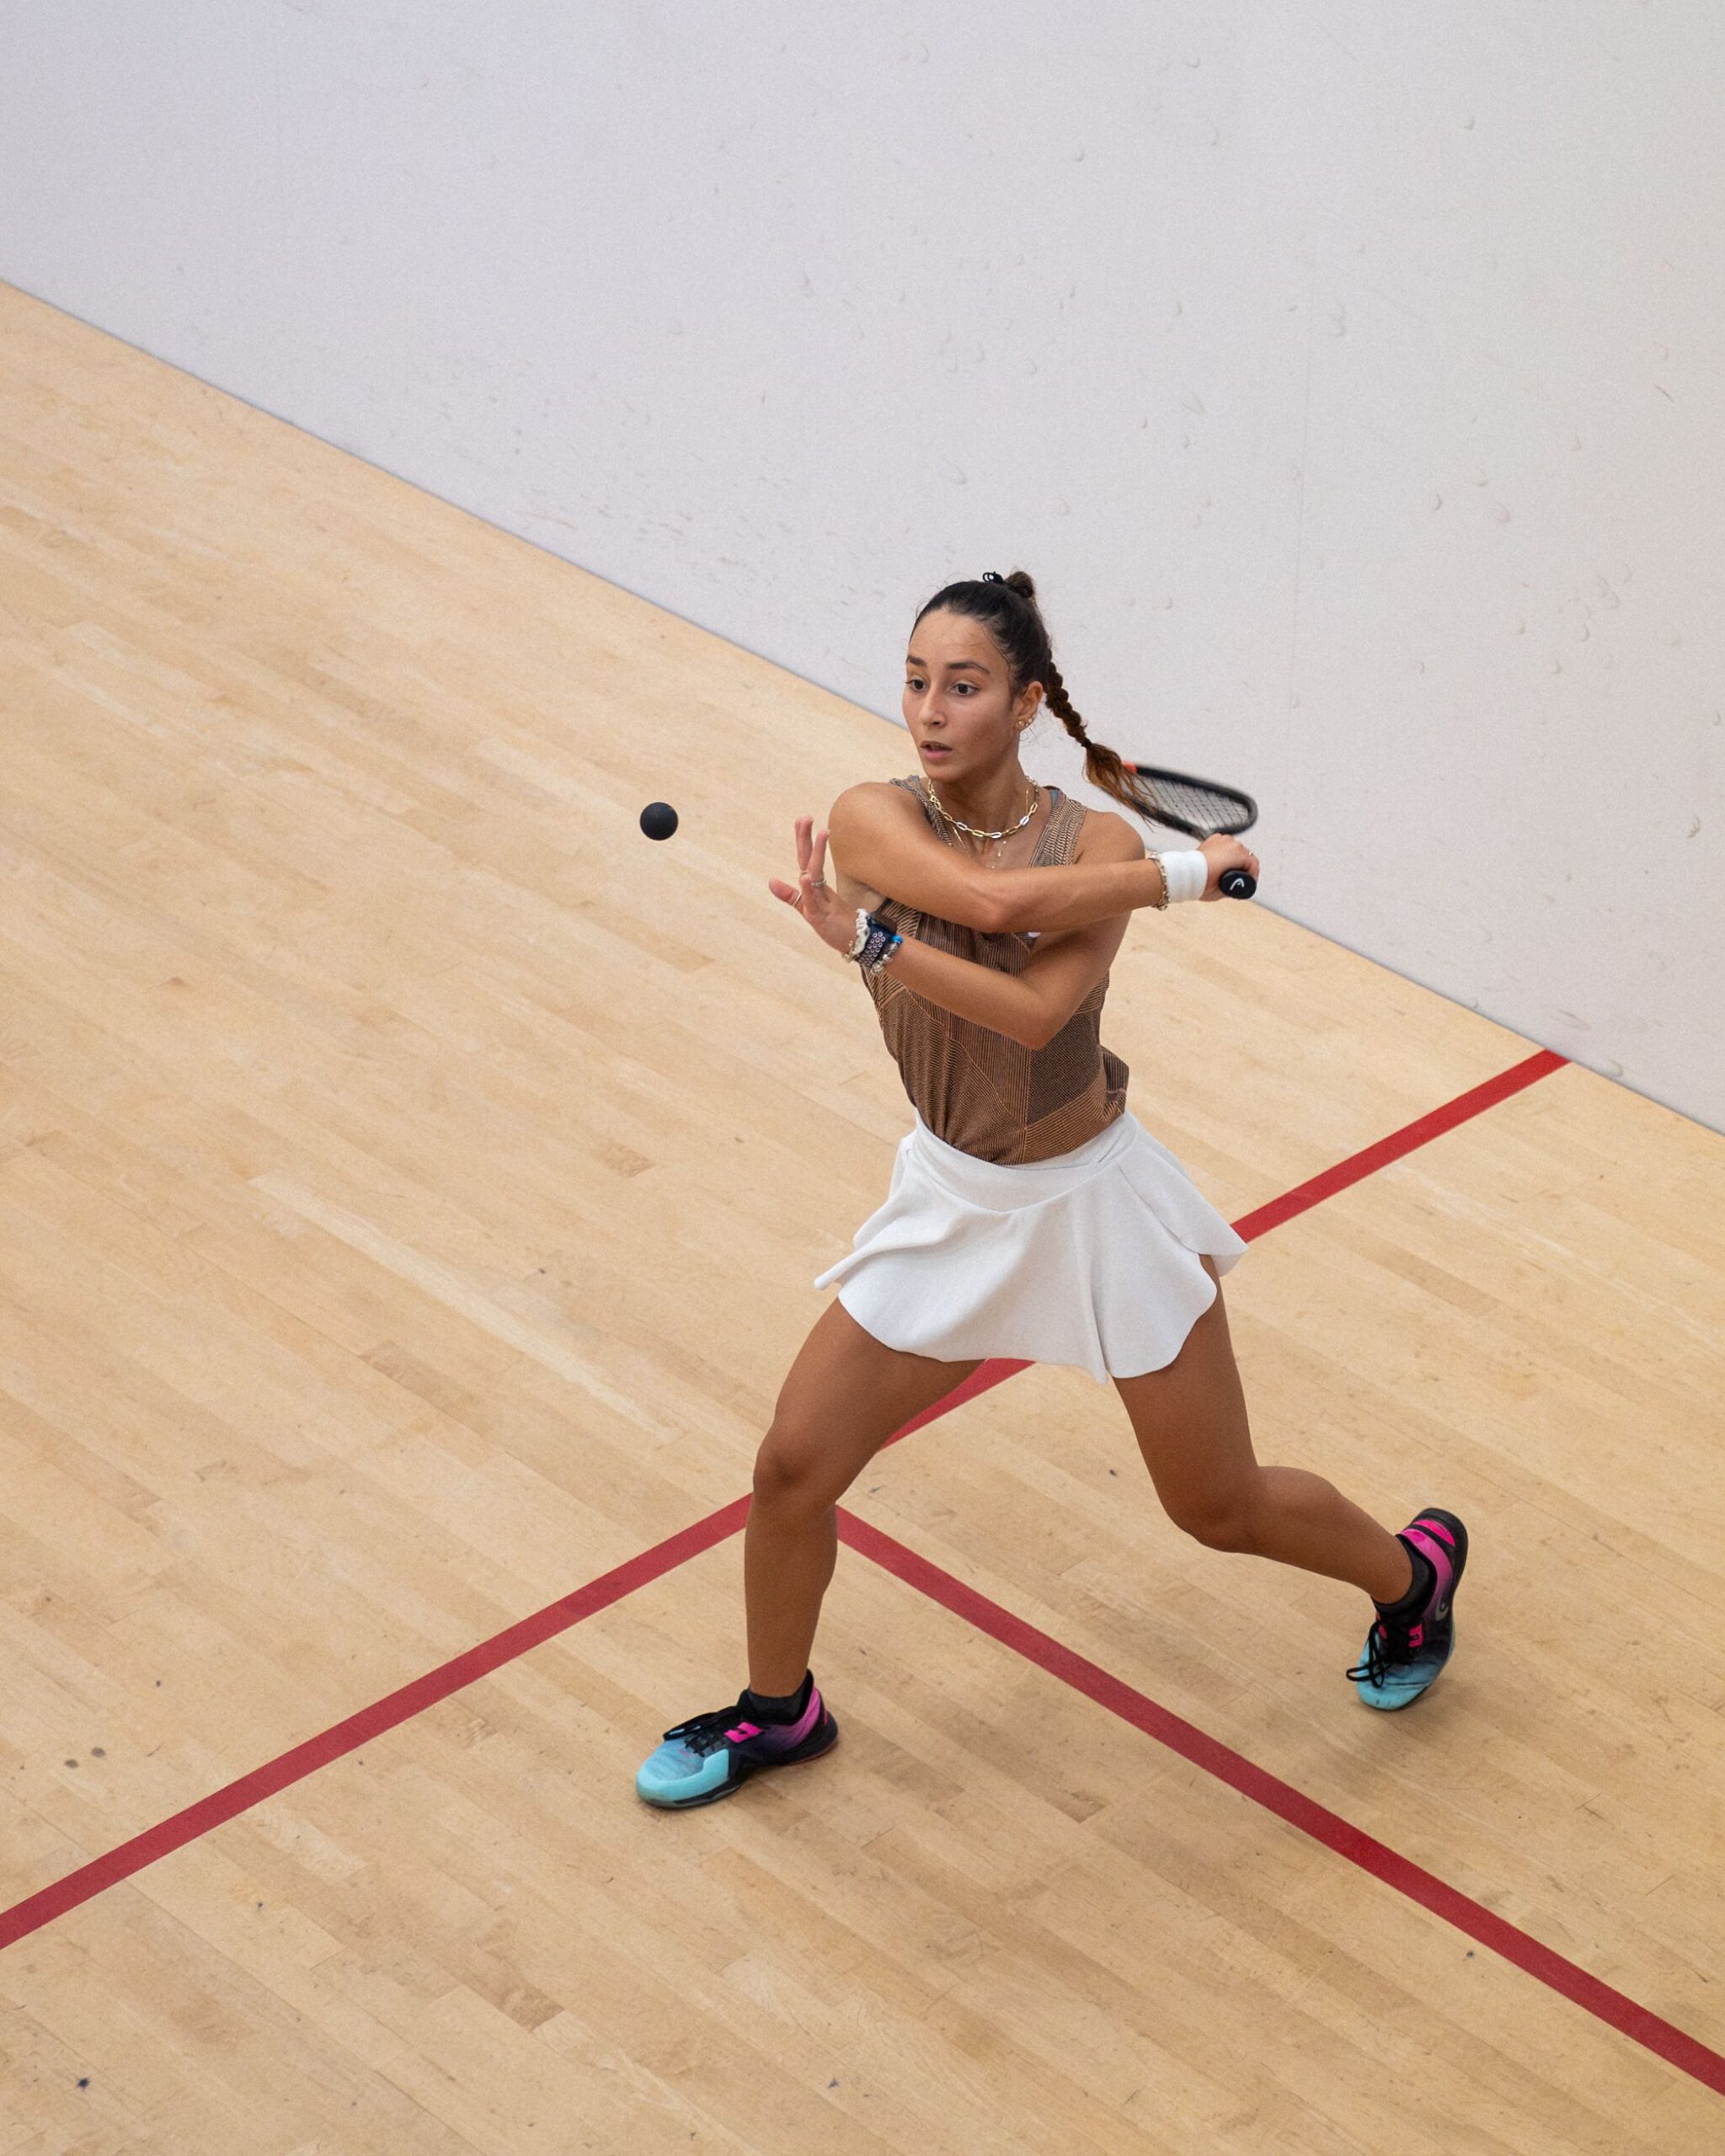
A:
[833,920]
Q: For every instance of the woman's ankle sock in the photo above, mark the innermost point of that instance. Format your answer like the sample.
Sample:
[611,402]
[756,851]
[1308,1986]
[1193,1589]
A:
[767,1707]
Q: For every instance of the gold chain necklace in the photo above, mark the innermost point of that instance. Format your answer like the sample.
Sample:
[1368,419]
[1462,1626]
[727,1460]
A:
[1011,829]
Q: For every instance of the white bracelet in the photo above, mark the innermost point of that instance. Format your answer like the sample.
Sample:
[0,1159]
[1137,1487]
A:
[1185,875]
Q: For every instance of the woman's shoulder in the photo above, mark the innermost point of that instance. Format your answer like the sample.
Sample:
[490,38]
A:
[913,786]
[1105,833]
[890,786]
[894,790]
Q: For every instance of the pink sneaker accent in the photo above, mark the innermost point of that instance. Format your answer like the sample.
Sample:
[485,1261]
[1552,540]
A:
[1443,1571]
[787,1735]
[782,1736]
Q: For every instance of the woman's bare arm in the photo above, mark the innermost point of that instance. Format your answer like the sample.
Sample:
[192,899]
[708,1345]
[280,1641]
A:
[1071,894]
[1014,1004]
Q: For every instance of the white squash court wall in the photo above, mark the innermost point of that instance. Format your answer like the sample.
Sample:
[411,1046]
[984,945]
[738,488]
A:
[1348,376]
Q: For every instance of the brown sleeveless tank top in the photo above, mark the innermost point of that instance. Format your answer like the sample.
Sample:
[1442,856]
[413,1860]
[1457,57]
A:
[977,1089]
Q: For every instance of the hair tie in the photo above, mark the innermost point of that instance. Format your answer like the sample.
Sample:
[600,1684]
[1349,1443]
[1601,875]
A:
[992,576]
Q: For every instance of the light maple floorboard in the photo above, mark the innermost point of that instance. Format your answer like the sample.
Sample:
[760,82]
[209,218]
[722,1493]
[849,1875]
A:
[410,1183]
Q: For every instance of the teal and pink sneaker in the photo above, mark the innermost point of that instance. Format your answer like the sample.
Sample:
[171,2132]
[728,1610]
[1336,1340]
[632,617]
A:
[1404,1654]
[702,1760]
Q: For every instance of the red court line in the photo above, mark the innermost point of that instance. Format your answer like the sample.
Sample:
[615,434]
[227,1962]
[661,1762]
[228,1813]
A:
[425,1691]
[1399,1142]
[1614,2007]
[131,1857]
[395,1707]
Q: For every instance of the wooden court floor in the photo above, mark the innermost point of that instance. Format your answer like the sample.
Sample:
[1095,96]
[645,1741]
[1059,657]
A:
[411,1181]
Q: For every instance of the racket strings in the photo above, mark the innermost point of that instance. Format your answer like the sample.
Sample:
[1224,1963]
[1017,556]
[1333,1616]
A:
[1185,802]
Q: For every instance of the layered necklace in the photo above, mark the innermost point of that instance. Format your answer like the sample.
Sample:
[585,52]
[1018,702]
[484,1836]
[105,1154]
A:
[1011,830]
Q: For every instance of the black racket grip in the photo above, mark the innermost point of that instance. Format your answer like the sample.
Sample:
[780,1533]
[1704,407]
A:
[1237,883]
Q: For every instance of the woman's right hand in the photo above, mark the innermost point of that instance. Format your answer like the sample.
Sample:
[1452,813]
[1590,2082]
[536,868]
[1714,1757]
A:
[1223,853]
[819,904]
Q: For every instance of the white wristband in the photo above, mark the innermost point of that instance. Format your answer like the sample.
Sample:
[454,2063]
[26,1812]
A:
[1187,875]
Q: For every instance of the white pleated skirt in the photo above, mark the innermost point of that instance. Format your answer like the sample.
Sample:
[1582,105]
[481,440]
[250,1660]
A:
[1089,1258]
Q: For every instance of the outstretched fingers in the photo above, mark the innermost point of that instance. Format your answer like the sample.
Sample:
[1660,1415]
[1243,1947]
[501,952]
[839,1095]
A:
[811,860]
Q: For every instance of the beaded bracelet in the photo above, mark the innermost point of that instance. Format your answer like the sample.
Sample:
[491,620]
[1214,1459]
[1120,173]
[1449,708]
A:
[873,943]
[882,942]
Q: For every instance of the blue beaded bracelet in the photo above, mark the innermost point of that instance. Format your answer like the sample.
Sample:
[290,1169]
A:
[880,942]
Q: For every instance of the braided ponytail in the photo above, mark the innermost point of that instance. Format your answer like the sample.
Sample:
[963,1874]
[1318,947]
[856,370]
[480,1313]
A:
[1017,626]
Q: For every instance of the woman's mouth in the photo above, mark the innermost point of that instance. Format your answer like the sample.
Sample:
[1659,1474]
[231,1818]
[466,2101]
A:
[934,749]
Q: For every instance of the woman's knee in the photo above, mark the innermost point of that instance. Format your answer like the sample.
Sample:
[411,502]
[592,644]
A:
[1221,1519]
[792,1472]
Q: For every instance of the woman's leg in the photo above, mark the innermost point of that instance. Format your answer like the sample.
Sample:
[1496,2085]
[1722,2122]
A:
[844,1396]
[1190,1422]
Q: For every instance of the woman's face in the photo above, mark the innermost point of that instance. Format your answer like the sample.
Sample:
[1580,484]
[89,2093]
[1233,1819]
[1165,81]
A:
[958,694]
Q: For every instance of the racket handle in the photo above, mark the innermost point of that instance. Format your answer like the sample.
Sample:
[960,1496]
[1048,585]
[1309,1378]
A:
[1237,883]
